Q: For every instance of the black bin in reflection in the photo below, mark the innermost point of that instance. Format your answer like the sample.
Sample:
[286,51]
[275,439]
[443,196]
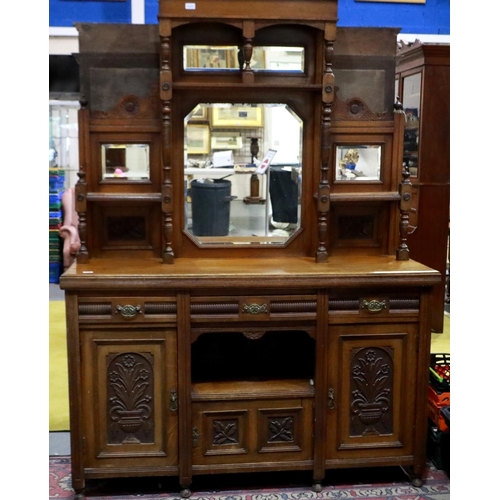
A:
[210,203]
[284,193]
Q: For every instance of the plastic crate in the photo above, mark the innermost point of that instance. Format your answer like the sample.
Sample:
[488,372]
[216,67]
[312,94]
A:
[54,272]
[438,448]
[445,413]
[439,370]
[439,398]
[56,183]
[434,413]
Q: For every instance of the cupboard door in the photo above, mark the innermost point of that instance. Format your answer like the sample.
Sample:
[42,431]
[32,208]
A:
[129,380]
[371,395]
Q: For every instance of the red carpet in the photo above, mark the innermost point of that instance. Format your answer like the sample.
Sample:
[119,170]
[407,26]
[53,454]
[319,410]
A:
[370,484]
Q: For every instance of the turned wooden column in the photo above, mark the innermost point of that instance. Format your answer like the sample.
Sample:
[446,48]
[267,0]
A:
[166,98]
[247,75]
[327,97]
[82,256]
[254,178]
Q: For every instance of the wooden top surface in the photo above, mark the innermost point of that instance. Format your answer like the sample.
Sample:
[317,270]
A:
[282,10]
[248,273]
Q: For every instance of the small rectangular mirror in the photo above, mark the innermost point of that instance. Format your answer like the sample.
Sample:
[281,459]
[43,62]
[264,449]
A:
[210,58]
[125,162]
[358,162]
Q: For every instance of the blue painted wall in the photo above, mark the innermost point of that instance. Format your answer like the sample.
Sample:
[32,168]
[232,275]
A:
[64,13]
[433,17]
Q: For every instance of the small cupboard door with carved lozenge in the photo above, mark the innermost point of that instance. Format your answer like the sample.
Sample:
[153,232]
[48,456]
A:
[129,381]
[371,395]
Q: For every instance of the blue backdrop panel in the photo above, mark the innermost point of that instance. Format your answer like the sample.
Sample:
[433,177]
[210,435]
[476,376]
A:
[433,17]
[151,11]
[65,13]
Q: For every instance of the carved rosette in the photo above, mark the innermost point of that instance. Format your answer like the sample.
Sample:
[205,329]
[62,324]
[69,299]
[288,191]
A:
[132,106]
[225,432]
[354,109]
[372,392]
[130,398]
[281,430]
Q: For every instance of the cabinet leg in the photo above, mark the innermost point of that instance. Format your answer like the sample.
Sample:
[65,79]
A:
[317,486]
[186,493]
[414,477]
[80,494]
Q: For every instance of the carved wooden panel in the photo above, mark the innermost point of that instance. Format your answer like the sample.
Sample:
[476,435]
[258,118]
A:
[130,398]
[280,429]
[221,432]
[357,225]
[126,227]
[229,431]
[372,393]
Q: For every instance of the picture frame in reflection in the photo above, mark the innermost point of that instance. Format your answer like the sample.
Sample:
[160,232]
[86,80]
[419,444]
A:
[237,116]
[198,139]
[226,140]
[205,57]
[200,114]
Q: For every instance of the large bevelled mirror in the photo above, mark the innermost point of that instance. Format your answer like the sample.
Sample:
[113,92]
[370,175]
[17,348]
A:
[242,174]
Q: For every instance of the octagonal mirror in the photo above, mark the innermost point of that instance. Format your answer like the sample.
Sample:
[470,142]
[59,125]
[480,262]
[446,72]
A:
[242,174]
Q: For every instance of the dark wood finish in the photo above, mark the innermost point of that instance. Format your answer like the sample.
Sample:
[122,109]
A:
[428,243]
[242,358]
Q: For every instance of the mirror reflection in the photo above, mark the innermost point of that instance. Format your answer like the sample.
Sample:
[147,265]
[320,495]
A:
[411,104]
[242,173]
[125,161]
[358,162]
[207,57]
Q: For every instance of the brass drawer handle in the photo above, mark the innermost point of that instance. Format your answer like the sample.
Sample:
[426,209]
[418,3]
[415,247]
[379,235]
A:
[255,308]
[128,311]
[374,305]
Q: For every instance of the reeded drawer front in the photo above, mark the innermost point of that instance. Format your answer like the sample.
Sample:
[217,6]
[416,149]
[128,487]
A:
[127,309]
[252,431]
[253,308]
[372,305]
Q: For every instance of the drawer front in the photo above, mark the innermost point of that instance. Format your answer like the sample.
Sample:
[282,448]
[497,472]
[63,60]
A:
[252,431]
[371,306]
[253,308]
[130,309]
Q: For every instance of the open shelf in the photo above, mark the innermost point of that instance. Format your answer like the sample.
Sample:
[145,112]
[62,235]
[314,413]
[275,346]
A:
[232,357]
[250,390]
